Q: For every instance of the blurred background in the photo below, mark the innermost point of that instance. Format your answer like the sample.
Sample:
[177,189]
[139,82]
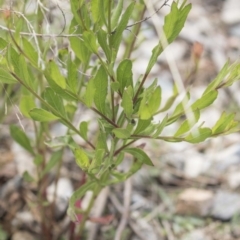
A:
[193,192]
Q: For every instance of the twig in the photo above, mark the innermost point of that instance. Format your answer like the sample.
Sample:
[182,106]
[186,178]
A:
[146,18]
[126,209]
[40,34]
[98,209]
[168,230]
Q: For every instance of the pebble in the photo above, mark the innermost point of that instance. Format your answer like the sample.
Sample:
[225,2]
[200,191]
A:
[225,205]
[193,201]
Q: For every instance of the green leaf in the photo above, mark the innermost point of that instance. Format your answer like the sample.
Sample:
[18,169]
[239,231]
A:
[124,74]
[199,135]
[82,159]
[206,100]
[55,158]
[157,50]
[188,124]
[102,141]
[75,9]
[90,41]
[62,141]
[175,20]
[26,104]
[101,84]
[77,43]
[41,115]
[64,93]
[160,127]
[220,77]
[72,78]
[78,194]
[55,74]
[155,101]
[116,37]
[168,104]
[140,155]
[223,123]
[90,93]
[27,177]
[121,133]
[116,14]
[24,75]
[102,37]
[95,10]
[13,59]
[21,138]
[142,125]
[3,44]
[127,103]
[180,108]
[6,77]
[55,101]
[30,51]
[38,160]
[84,129]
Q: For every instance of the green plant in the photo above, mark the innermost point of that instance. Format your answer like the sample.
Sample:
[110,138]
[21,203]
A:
[52,89]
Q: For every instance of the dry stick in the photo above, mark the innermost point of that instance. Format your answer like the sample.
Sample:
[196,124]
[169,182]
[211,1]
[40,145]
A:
[100,204]
[126,209]
[119,208]
[168,230]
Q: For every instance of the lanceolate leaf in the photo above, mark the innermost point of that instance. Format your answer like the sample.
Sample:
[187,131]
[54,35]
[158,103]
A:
[188,123]
[90,92]
[56,75]
[117,34]
[124,74]
[121,133]
[117,13]
[175,21]
[84,129]
[89,40]
[101,84]
[82,159]
[223,123]
[155,101]
[30,51]
[127,103]
[72,76]
[205,100]
[55,101]
[220,77]
[21,138]
[142,125]
[6,77]
[41,115]
[77,43]
[160,127]
[102,36]
[26,104]
[140,155]
[199,135]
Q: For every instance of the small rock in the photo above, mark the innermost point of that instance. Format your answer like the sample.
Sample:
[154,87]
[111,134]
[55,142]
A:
[22,235]
[225,205]
[63,193]
[230,12]
[233,180]
[193,201]
[196,235]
